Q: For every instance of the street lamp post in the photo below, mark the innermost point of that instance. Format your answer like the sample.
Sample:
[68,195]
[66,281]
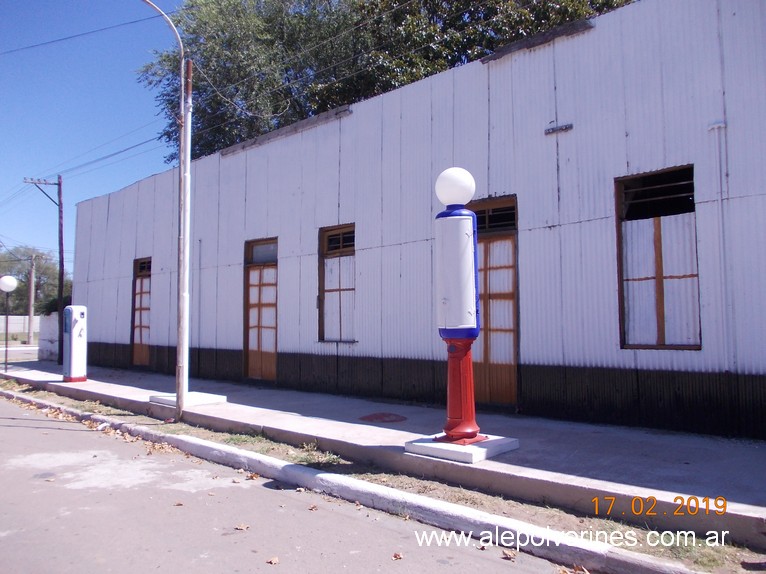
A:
[184,219]
[457,299]
[7,283]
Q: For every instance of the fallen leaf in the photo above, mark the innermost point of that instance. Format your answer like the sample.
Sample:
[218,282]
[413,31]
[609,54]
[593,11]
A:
[274,560]
[482,547]
[397,556]
[242,527]
[313,507]
[178,504]
[509,555]
[253,476]
[580,569]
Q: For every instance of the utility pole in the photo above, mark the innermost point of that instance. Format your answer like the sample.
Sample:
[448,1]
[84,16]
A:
[30,325]
[59,183]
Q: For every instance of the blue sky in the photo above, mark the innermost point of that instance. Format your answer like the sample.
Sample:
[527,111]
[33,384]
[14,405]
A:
[70,102]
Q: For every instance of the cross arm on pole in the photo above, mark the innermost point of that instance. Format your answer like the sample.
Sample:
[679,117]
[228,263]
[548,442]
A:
[38,182]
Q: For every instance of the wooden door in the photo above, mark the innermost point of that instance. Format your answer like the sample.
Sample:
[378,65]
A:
[495,351]
[261,310]
[142,302]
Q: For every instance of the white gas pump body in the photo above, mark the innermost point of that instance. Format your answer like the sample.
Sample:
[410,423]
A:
[456,295]
[75,343]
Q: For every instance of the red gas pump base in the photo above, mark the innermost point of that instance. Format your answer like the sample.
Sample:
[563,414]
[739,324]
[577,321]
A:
[460,441]
[461,427]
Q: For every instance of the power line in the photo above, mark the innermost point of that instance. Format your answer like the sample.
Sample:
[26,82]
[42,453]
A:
[282,86]
[108,156]
[118,161]
[80,35]
[56,167]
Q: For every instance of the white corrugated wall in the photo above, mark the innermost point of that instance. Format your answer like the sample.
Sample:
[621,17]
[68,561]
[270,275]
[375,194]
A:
[644,90]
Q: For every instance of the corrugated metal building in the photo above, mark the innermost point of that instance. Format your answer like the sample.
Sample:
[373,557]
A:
[619,167]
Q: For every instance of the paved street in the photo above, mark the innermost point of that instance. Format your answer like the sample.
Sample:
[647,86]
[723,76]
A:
[76,500]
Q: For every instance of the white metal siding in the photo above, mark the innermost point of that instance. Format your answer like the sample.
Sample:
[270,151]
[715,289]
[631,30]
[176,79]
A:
[589,94]
[540,329]
[644,90]
[142,240]
[590,303]
[82,253]
[533,169]
[470,118]
[745,242]
[204,253]
[416,185]
[743,26]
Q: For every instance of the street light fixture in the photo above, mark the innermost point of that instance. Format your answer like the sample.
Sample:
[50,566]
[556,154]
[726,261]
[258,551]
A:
[184,218]
[7,283]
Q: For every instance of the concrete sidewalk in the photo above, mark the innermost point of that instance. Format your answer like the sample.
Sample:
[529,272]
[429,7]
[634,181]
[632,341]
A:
[652,475]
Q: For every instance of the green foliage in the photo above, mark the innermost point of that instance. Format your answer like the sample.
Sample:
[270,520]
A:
[51,305]
[17,262]
[264,64]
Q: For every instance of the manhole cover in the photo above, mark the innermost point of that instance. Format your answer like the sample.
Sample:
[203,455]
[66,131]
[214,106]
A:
[383,418]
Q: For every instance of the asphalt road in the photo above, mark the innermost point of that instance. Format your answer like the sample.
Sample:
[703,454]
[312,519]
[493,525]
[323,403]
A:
[79,500]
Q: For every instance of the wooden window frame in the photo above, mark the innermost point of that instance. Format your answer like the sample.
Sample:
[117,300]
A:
[328,249]
[484,209]
[621,211]
[142,268]
[249,260]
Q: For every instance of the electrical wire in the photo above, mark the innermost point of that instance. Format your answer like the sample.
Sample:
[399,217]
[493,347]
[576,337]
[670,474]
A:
[281,65]
[80,35]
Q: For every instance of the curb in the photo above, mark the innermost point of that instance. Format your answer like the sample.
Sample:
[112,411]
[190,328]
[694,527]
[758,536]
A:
[538,541]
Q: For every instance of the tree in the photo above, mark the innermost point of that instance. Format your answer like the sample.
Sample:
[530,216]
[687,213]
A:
[413,40]
[18,262]
[264,64]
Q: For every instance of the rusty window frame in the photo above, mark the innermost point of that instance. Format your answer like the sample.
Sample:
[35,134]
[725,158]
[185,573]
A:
[652,195]
[495,215]
[334,242]
[142,267]
[252,258]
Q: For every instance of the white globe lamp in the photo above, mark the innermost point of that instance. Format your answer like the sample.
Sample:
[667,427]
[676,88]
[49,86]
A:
[7,284]
[455,186]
